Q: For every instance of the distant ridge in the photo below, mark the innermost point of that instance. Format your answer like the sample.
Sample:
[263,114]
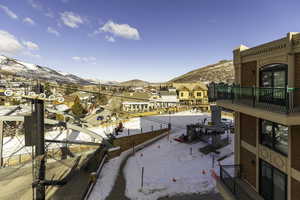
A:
[134,83]
[223,71]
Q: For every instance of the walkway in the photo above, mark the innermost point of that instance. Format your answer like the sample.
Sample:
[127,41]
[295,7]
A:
[208,196]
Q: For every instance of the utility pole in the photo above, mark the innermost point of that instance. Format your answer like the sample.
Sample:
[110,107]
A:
[99,92]
[169,125]
[40,145]
[1,143]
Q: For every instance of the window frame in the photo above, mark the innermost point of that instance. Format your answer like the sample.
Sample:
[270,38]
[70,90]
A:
[276,68]
[273,68]
[273,139]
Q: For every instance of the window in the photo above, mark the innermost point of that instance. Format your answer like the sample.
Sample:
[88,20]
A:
[199,94]
[273,83]
[273,183]
[274,136]
[181,94]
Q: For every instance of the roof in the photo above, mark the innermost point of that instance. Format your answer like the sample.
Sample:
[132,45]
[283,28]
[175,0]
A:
[81,94]
[136,96]
[190,86]
[134,103]
[62,107]
[183,88]
[200,87]
[69,98]
[167,93]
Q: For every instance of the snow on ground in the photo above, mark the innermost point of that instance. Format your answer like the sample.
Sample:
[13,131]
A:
[169,167]
[15,145]
[107,178]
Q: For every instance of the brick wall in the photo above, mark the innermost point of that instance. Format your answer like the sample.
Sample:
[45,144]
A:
[295,191]
[248,129]
[249,73]
[295,144]
[297,79]
[297,71]
[127,142]
[248,164]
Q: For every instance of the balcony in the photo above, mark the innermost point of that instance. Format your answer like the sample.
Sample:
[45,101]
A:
[283,100]
[230,177]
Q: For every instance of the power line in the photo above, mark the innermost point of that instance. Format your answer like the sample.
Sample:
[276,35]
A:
[94,92]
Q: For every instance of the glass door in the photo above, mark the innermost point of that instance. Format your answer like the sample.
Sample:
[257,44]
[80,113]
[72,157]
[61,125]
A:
[273,183]
[273,83]
[279,187]
[279,84]
[266,183]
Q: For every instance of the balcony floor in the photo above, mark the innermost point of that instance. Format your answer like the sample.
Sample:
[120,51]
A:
[259,112]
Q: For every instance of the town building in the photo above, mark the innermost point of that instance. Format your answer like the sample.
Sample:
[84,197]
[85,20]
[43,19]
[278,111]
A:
[193,94]
[266,100]
[144,102]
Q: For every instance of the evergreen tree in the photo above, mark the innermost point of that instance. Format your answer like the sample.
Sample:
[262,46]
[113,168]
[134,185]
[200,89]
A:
[47,89]
[71,89]
[101,99]
[77,108]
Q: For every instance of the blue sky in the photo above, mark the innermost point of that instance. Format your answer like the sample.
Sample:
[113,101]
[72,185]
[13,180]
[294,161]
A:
[153,40]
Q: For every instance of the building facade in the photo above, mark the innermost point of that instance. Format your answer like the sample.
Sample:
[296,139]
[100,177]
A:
[266,101]
[164,99]
[194,94]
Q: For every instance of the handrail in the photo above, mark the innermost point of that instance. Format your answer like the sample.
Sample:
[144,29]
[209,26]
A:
[282,99]
[231,182]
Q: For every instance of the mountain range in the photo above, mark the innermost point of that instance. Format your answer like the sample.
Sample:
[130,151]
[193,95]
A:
[222,71]
[32,71]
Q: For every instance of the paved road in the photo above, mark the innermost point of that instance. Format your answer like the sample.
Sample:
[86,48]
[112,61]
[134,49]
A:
[208,196]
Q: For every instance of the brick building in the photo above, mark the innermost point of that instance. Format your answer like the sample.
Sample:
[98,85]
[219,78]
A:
[266,101]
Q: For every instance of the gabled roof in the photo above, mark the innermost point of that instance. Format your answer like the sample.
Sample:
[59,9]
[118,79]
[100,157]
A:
[199,87]
[183,88]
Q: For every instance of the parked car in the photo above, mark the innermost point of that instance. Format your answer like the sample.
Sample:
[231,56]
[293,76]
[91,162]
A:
[100,118]
[99,110]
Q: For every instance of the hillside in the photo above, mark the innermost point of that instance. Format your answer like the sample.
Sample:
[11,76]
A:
[32,71]
[223,71]
[134,83]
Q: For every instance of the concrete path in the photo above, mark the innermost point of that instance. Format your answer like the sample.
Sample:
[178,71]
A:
[118,191]
[207,196]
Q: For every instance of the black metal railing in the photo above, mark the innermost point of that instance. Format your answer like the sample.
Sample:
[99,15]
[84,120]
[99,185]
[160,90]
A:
[275,99]
[229,175]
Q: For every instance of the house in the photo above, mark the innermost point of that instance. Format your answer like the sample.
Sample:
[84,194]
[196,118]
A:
[136,102]
[144,102]
[193,94]
[266,100]
[167,98]
[136,106]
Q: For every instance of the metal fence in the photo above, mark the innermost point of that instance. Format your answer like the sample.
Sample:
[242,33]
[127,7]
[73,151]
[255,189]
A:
[229,175]
[274,99]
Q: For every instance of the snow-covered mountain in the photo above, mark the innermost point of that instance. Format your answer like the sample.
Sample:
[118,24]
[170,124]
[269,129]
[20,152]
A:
[33,71]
